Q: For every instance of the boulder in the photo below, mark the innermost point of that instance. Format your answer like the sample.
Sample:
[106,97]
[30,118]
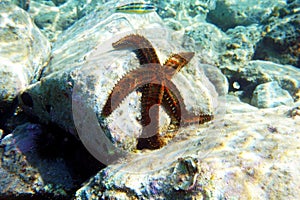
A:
[23,52]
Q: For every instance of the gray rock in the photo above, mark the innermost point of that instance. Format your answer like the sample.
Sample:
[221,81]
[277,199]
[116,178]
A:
[53,17]
[24,173]
[21,3]
[23,51]
[269,95]
[232,13]
[235,105]
[252,155]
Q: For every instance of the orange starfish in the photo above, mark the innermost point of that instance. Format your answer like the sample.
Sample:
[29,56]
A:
[154,82]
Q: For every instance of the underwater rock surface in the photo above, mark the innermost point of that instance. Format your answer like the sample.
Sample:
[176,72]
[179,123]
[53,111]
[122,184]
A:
[269,95]
[23,51]
[248,153]
[24,173]
[85,67]
[231,13]
[280,43]
[258,72]
[252,154]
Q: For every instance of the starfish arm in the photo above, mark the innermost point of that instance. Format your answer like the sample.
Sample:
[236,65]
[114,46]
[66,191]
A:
[142,48]
[176,62]
[173,102]
[175,107]
[130,82]
[152,95]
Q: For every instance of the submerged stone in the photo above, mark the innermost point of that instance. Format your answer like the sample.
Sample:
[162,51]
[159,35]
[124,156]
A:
[23,51]
[254,154]
[85,68]
[269,95]
[232,13]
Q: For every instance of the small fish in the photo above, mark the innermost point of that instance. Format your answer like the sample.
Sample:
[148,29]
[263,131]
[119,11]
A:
[136,8]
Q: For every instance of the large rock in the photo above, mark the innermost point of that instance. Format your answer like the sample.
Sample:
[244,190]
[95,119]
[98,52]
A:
[253,154]
[84,69]
[23,52]
[207,39]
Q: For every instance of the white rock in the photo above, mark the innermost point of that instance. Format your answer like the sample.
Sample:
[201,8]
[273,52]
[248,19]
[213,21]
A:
[23,51]
[269,95]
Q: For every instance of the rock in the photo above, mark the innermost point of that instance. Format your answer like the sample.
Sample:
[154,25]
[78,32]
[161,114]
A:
[23,52]
[24,4]
[51,98]
[251,155]
[53,17]
[84,69]
[207,39]
[230,49]
[269,95]
[240,45]
[179,14]
[235,105]
[217,78]
[280,43]
[24,173]
[232,13]
[258,72]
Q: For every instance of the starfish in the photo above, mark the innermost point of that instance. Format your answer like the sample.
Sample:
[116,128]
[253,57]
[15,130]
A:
[153,80]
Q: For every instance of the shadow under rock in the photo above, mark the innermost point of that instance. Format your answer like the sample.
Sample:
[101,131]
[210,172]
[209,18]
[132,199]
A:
[61,160]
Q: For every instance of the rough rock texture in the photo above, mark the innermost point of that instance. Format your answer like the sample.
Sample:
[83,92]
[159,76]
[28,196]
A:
[232,13]
[269,95]
[230,49]
[280,43]
[240,46]
[24,4]
[251,154]
[179,14]
[207,39]
[23,52]
[53,17]
[24,173]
